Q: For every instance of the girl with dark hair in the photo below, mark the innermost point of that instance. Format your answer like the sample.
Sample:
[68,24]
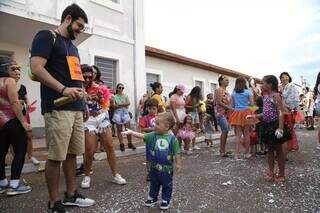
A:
[120,103]
[97,75]
[13,130]
[192,107]
[157,89]
[316,94]
[97,126]
[242,99]
[290,97]
[186,134]
[273,130]
[23,98]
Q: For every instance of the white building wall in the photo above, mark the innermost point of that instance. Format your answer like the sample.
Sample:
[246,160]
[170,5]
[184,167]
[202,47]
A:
[172,73]
[116,33]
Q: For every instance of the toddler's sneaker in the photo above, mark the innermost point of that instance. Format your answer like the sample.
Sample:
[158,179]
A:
[164,205]
[150,202]
[247,156]
[318,147]
[118,180]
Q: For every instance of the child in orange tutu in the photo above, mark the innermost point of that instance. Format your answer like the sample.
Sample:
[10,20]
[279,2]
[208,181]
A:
[242,99]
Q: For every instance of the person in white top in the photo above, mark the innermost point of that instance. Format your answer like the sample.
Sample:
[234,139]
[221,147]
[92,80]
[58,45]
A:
[310,109]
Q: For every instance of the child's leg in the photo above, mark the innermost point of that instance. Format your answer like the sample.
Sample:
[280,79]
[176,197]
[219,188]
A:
[246,137]
[186,144]
[238,133]
[154,184]
[281,160]
[167,183]
[148,168]
[271,160]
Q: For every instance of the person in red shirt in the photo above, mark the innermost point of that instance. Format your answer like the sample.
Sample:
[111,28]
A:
[96,125]
[147,124]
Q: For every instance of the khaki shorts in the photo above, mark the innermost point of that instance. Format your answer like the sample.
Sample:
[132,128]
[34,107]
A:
[64,134]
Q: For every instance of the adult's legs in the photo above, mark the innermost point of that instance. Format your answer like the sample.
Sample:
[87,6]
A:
[69,170]
[52,173]
[119,130]
[238,131]
[246,136]
[106,142]
[90,148]
[4,146]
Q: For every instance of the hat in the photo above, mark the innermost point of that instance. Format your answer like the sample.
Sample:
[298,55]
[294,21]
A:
[181,87]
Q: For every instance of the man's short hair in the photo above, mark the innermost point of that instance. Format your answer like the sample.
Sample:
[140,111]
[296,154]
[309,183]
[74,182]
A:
[75,12]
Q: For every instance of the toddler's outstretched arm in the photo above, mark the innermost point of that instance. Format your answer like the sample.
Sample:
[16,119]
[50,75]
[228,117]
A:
[133,133]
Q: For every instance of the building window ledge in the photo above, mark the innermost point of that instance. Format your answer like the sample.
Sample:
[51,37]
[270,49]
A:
[118,7]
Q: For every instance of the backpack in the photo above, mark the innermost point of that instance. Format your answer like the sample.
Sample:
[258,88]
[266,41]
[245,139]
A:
[31,76]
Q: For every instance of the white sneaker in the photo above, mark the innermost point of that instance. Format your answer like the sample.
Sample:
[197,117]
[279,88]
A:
[78,200]
[318,147]
[118,180]
[247,155]
[85,184]
[196,147]
[35,161]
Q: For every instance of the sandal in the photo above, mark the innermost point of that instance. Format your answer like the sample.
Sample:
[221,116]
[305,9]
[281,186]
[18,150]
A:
[269,177]
[280,179]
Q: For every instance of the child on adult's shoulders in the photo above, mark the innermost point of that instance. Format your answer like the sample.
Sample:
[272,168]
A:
[162,150]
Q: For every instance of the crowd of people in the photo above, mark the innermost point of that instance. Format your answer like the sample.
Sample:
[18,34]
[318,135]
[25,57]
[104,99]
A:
[262,114]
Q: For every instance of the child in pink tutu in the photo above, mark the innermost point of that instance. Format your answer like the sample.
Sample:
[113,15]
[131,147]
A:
[186,133]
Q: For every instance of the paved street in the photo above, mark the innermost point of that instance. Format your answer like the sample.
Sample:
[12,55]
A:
[208,183]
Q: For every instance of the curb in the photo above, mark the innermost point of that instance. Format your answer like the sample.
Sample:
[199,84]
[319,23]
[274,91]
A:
[30,168]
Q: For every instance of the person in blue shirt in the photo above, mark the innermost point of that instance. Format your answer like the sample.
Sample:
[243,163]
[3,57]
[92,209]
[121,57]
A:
[55,63]
[162,149]
[241,100]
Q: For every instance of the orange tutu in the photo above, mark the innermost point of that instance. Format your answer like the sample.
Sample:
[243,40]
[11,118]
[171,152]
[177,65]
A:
[239,118]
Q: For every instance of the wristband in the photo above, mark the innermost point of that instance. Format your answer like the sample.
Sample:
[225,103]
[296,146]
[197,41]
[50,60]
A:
[64,88]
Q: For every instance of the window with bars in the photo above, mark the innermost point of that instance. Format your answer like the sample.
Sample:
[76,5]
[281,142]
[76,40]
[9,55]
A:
[151,78]
[213,87]
[199,84]
[108,68]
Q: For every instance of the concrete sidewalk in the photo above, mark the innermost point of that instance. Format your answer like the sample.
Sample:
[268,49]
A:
[41,154]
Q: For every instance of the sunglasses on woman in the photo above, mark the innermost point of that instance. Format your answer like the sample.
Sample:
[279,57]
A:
[120,87]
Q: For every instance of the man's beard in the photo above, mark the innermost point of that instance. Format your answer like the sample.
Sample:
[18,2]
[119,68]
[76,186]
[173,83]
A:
[71,32]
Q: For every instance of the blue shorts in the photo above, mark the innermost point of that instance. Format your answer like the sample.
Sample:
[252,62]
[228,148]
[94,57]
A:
[195,117]
[223,123]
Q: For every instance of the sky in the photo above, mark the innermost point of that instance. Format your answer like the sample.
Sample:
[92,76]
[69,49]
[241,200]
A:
[256,37]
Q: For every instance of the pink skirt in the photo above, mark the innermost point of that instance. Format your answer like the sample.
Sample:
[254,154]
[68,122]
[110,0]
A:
[185,134]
